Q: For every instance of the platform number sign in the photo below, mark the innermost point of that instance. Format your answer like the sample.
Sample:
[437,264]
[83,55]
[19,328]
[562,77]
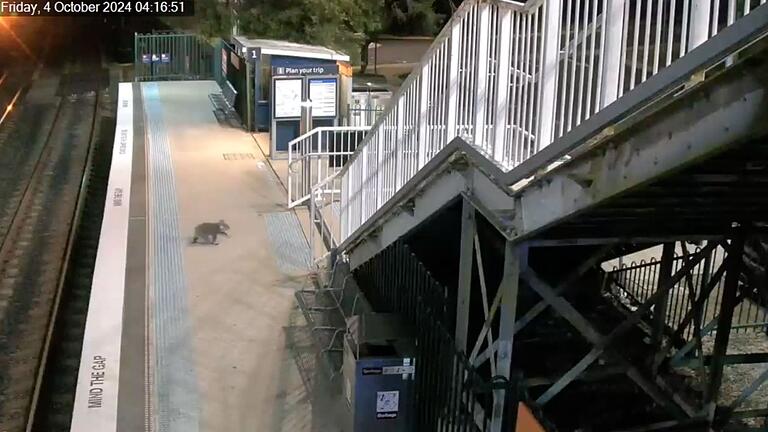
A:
[387,404]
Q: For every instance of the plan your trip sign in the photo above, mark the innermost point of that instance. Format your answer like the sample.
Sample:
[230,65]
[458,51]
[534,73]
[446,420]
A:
[305,70]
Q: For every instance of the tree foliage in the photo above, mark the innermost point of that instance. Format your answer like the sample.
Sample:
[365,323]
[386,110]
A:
[214,17]
[348,25]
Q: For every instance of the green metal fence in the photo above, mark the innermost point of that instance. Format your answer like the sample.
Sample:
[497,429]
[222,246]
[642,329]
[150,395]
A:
[172,56]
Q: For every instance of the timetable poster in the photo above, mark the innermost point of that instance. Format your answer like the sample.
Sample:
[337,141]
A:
[322,93]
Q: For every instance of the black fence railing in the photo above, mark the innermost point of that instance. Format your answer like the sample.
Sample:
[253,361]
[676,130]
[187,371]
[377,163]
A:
[636,282]
[450,393]
[165,56]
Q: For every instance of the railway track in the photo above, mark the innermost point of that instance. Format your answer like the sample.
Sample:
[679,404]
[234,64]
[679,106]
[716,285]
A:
[54,401]
[46,193]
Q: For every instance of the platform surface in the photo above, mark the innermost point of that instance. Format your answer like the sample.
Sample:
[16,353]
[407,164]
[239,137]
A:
[239,294]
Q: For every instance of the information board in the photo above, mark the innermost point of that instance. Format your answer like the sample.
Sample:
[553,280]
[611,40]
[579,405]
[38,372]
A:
[288,98]
[322,93]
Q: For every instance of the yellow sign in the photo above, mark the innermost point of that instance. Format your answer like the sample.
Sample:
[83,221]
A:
[345,68]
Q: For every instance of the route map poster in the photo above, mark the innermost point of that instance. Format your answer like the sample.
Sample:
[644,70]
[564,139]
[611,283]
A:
[288,98]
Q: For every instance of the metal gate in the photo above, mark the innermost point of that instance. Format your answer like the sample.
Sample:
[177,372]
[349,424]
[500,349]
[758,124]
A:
[172,56]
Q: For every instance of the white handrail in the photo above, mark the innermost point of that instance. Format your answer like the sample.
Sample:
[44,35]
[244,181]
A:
[316,154]
[510,78]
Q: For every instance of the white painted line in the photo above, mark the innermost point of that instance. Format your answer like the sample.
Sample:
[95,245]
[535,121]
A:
[97,382]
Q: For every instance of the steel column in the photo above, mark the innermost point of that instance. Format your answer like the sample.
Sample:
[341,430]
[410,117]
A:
[515,257]
[660,308]
[468,230]
[734,262]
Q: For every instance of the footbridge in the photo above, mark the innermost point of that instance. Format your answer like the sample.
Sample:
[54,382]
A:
[500,201]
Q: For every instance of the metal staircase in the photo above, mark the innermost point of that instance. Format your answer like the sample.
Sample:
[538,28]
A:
[511,79]
[541,139]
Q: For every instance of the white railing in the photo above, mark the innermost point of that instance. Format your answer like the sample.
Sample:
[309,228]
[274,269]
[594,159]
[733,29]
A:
[324,212]
[510,78]
[318,154]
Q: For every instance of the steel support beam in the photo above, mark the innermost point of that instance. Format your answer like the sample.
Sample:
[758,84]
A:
[703,296]
[602,342]
[515,257]
[539,307]
[484,293]
[468,231]
[660,308]
[723,418]
[734,263]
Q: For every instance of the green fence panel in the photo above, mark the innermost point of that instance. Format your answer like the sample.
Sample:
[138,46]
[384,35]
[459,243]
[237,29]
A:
[172,56]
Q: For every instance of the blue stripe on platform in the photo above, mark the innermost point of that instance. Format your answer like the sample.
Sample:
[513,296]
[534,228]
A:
[176,402]
[289,246]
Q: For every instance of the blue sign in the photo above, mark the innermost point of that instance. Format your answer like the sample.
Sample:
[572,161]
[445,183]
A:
[155,58]
[145,58]
[165,58]
[252,54]
[305,70]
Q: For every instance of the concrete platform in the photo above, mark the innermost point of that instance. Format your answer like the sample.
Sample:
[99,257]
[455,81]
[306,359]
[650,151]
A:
[220,359]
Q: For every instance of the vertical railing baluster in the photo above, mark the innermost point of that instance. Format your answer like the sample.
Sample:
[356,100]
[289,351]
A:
[566,40]
[481,75]
[670,31]
[502,85]
[423,113]
[657,41]
[647,38]
[453,81]
[699,22]
[582,71]
[591,75]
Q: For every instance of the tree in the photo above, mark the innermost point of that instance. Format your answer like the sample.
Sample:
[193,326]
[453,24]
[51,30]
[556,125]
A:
[343,24]
[402,17]
[214,17]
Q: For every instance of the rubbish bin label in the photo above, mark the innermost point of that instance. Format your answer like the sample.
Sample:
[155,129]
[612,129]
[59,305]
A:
[398,370]
[387,404]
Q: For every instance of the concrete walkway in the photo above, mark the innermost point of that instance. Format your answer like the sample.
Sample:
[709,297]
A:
[239,293]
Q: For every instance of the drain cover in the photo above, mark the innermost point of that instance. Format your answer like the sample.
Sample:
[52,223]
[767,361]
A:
[238,156]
